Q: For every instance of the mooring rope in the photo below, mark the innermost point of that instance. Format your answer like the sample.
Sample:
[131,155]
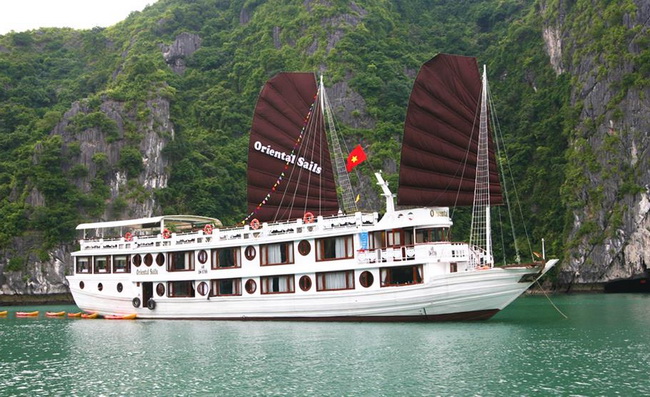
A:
[549,299]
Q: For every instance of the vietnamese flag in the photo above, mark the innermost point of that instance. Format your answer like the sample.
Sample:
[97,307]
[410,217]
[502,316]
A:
[356,157]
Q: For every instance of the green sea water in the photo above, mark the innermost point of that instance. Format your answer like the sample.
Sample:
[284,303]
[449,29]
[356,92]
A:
[529,349]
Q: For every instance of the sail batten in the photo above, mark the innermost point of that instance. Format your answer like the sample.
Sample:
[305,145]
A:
[289,166]
[439,148]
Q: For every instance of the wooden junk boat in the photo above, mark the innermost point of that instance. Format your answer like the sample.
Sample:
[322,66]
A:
[302,255]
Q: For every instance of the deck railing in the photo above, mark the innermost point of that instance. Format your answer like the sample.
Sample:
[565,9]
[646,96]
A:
[443,251]
[266,230]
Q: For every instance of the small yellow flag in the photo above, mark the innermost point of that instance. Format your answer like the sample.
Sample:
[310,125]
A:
[357,199]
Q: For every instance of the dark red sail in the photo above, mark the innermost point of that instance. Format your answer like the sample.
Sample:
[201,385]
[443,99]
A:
[289,173]
[438,164]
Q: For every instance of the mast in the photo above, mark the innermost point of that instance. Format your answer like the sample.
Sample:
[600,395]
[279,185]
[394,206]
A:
[480,235]
[440,142]
[342,176]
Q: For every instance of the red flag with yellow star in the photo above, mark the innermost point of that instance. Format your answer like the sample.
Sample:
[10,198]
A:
[356,157]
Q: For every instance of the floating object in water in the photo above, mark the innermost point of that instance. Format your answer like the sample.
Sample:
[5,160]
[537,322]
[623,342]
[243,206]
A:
[121,317]
[89,315]
[3,313]
[55,314]
[74,314]
[27,314]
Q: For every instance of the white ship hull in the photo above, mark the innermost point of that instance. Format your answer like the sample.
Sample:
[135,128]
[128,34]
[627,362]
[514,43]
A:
[439,292]
[462,296]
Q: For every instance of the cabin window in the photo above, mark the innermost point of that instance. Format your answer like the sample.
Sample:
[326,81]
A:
[100,286]
[366,279]
[160,289]
[305,283]
[394,238]
[453,267]
[277,254]
[401,275]
[224,258]
[390,238]
[180,261]
[137,260]
[120,287]
[332,281]
[227,287]
[102,264]
[277,284]
[203,256]
[83,264]
[181,289]
[432,235]
[121,263]
[334,248]
[160,259]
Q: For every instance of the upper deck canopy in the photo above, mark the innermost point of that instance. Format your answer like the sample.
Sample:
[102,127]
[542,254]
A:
[145,223]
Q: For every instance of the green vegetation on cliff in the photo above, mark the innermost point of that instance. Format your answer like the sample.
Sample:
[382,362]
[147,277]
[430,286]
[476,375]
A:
[373,46]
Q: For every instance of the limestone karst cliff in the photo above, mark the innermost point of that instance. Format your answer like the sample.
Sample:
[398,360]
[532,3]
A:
[151,115]
[608,180]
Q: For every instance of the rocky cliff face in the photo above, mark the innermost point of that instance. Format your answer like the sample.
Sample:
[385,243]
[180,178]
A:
[99,150]
[608,178]
[47,275]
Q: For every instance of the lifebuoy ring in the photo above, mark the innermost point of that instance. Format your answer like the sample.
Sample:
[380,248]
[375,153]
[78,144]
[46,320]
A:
[136,302]
[207,229]
[255,224]
[308,218]
[128,236]
[166,233]
[151,304]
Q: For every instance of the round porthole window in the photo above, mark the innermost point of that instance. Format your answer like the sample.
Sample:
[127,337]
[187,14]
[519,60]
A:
[203,256]
[250,253]
[160,289]
[137,260]
[202,288]
[119,287]
[148,259]
[160,259]
[251,286]
[81,285]
[100,286]
[366,279]
[304,247]
[305,283]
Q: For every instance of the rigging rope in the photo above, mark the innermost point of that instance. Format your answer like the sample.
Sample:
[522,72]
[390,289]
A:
[501,147]
[286,166]
[308,140]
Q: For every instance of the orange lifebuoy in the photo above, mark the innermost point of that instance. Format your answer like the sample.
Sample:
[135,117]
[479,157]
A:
[308,218]
[166,233]
[128,236]
[208,229]
[255,224]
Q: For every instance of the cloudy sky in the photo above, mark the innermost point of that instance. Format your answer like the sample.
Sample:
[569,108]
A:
[21,15]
